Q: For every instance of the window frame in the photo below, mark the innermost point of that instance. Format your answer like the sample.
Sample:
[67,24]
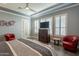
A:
[54,30]
[36,26]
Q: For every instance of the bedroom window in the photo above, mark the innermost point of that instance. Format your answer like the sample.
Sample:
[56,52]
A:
[60,25]
[36,22]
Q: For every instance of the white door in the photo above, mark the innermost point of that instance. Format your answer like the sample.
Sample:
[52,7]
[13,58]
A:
[26,28]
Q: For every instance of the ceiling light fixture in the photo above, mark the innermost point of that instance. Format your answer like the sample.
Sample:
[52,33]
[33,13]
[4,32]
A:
[27,7]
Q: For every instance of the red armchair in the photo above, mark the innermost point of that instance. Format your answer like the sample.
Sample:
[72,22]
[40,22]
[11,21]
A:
[9,36]
[70,42]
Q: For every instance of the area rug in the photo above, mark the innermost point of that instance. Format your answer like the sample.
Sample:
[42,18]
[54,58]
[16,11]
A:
[42,50]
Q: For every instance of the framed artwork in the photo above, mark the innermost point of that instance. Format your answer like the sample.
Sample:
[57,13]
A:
[7,23]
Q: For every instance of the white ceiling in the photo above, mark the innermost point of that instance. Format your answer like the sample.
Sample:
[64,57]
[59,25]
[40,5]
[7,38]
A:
[35,6]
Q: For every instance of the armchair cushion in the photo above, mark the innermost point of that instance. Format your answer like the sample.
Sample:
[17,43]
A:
[70,42]
[9,36]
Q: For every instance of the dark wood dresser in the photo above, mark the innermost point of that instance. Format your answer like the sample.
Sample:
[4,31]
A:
[43,35]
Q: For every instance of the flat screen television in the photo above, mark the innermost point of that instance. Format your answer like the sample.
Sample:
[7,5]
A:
[44,25]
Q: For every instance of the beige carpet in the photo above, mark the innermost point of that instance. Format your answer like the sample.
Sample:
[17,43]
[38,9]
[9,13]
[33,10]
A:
[22,49]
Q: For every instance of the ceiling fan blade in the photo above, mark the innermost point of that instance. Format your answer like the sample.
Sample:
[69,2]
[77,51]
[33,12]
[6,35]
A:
[23,7]
[32,10]
[20,8]
[26,5]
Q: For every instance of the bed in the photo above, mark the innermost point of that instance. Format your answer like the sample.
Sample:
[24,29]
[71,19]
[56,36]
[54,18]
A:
[22,47]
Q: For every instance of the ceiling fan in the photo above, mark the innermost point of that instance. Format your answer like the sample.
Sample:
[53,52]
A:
[27,7]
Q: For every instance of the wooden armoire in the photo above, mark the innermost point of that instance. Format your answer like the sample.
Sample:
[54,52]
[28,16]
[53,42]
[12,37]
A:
[44,35]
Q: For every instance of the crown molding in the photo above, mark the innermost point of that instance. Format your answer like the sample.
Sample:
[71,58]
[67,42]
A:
[13,12]
[46,9]
[55,8]
[49,10]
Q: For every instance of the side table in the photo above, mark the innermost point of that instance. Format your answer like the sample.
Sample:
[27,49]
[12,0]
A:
[56,41]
